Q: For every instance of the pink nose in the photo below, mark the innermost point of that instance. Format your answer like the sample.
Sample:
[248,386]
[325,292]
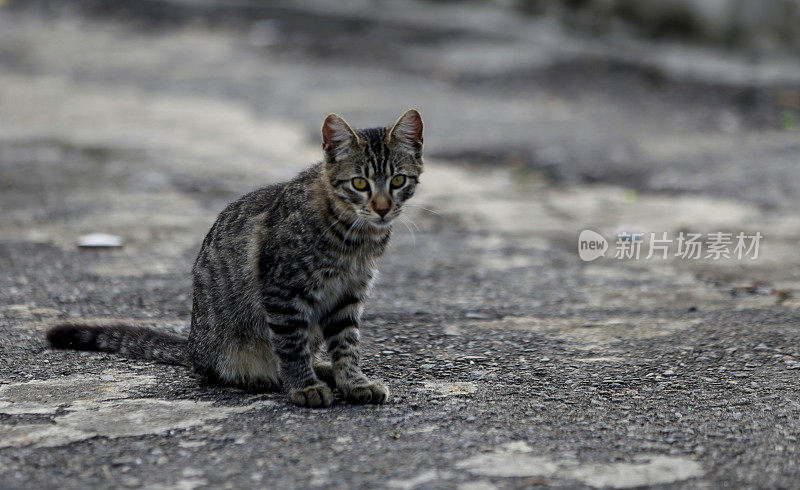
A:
[381,204]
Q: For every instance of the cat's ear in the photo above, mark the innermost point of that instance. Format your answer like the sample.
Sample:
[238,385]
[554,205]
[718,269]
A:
[338,138]
[406,134]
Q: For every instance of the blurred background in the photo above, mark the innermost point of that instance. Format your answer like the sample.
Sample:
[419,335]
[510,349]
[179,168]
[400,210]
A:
[661,95]
[142,119]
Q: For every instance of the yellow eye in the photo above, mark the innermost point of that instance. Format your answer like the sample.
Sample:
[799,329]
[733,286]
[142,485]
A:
[360,184]
[398,181]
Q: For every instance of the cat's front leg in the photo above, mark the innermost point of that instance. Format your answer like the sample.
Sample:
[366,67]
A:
[290,339]
[340,329]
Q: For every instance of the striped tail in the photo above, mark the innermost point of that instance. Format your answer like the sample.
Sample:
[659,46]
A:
[126,340]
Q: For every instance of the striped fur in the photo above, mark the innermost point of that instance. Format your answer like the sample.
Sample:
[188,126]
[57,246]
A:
[128,340]
[285,270]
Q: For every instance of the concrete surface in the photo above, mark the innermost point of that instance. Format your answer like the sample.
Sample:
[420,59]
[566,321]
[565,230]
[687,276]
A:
[512,362]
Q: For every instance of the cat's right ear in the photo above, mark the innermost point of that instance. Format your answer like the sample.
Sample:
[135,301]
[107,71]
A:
[338,138]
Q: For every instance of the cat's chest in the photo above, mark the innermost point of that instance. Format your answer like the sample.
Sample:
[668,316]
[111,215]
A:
[351,278]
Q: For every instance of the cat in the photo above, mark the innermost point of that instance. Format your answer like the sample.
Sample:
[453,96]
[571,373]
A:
[286,269]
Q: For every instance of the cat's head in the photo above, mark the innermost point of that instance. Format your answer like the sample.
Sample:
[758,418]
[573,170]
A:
[373,171]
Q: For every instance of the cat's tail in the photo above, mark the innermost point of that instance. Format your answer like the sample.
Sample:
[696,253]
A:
[126,340]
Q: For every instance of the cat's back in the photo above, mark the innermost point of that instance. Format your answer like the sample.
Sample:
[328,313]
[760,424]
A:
[228,238]
[244,224]
[268,203]
[250,205]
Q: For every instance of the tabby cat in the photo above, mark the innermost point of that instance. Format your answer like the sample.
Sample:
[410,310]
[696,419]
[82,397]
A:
[287,268]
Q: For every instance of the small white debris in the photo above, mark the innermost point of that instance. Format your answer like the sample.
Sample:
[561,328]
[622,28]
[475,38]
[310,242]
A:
[452,389]
[100,240]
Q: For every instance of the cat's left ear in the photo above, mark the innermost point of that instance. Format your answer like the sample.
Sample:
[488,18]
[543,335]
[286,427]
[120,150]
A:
[338,138]
[406,134]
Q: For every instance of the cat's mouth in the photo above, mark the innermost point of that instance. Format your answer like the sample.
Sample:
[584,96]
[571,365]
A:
[377,222]
[381,222]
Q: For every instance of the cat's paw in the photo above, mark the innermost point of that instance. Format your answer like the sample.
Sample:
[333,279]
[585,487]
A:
[373,392]
[324,371]
[313,396]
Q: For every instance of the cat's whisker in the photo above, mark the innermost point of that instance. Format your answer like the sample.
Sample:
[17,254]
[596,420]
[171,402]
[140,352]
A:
[412,223]
[356,223]
[347,233]
[426,209]
[405,220]
[361,225]
[319,237]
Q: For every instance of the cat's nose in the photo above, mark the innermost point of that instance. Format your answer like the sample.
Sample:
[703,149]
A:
[381,205]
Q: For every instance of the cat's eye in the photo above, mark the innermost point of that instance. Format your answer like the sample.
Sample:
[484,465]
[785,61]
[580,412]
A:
[398,181]
[360,184]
